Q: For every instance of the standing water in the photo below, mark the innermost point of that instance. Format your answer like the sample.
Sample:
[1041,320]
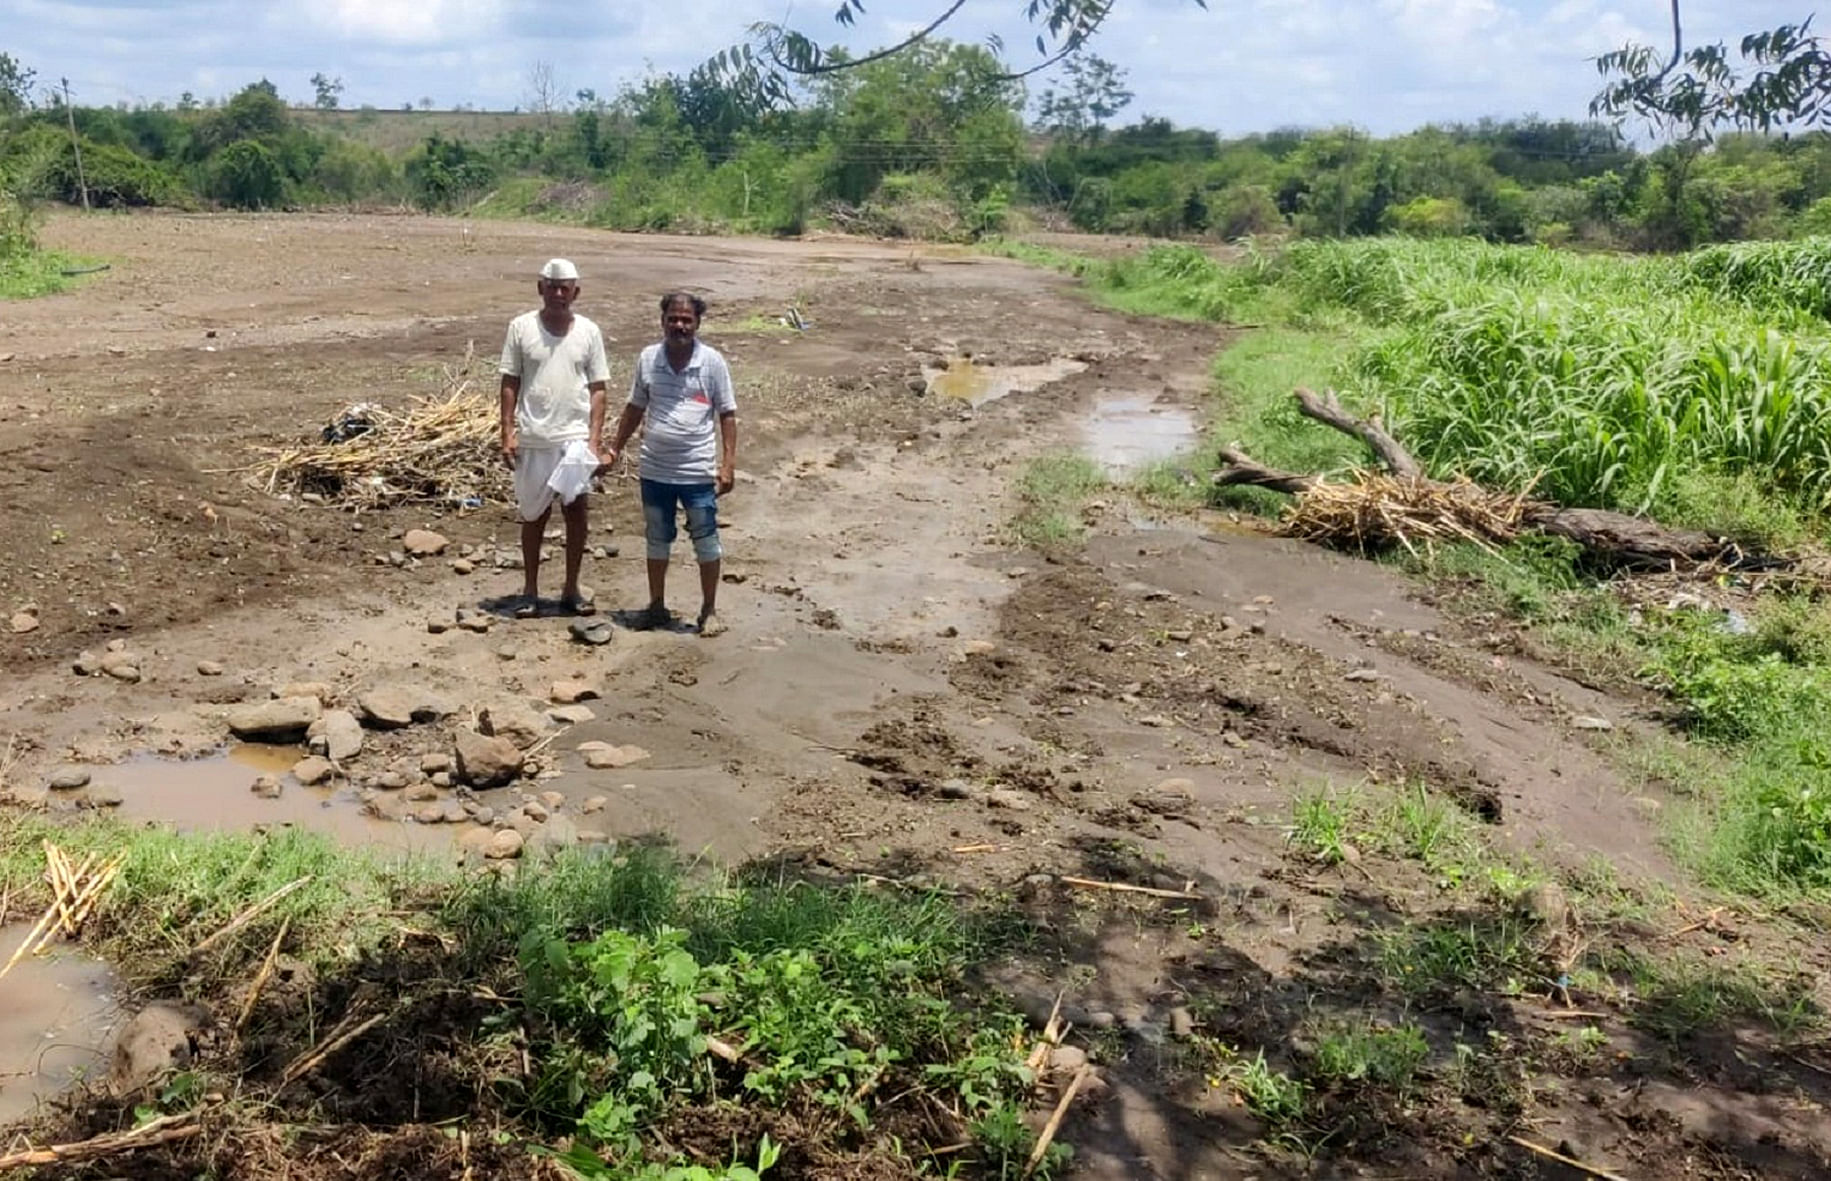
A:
[1128,432]
[57,1019]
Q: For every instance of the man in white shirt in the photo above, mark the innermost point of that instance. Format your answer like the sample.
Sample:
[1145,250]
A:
[554,378]
[682,389]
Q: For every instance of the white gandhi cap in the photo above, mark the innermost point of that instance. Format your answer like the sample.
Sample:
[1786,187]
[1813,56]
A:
[559,269]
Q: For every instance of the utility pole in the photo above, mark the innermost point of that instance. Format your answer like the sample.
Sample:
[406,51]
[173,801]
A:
[76,145]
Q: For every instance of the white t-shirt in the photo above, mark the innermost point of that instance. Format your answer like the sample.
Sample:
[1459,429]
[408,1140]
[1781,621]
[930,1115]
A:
[556,372]
[682,409]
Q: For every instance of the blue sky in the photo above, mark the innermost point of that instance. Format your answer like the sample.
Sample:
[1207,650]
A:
[1236,66]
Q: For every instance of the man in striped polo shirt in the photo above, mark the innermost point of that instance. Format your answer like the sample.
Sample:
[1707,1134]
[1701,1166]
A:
[682,390]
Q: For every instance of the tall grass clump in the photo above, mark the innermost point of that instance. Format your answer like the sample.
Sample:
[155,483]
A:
[1619,383]
[1774,277]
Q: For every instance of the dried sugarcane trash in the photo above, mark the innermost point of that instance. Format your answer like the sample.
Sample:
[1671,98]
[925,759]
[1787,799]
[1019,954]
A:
[442,449]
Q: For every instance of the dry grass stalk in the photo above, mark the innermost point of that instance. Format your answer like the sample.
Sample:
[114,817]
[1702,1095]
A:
[1375,511]
[443,449]
[74,892]
[251,913]
[163,1130]
[336,1040]
[1054,1125]
[261,977]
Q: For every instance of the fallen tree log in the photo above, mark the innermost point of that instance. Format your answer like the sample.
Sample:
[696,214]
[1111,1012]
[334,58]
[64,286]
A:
[1410,507]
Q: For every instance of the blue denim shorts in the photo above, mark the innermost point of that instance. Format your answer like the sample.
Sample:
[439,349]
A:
[659,502]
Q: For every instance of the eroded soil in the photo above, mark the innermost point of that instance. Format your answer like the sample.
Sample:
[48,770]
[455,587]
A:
[902,696]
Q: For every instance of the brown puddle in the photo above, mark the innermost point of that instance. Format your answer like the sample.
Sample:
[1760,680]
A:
[57,1023]
[212,793]
[968,381]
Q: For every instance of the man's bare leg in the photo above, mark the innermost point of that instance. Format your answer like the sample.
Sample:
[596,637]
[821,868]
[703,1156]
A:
[656,614]
[577,525]
[709,622]
[531,533]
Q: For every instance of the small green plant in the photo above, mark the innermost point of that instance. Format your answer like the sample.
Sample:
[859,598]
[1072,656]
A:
[1320,823]
[1006,1142]
[1366,1053]
[1272,1095]
[1479,952]
[1583,1046]
[589,1165]
[1053,490]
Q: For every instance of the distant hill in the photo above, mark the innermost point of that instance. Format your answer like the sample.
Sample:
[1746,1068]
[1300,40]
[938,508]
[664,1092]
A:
[396,131]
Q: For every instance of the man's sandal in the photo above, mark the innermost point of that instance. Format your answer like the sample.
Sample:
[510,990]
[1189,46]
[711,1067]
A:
[653,617]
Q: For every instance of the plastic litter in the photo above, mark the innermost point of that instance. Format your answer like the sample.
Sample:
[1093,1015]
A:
[358,419]
[575,471]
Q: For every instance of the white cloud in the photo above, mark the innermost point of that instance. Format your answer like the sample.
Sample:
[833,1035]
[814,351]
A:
[1236,66]
[427,23]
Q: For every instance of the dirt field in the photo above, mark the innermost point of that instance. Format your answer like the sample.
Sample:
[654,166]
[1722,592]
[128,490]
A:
[901,694]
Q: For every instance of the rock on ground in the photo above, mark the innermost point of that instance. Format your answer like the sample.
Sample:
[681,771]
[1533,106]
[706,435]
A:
[513,721]
[572,692]
[342,735]
[601,756]
[122,666]
[424,543]
[68,778]
[312,771]
[504,845]
[282,720]
[388,707]
[159,1040]
[486,761]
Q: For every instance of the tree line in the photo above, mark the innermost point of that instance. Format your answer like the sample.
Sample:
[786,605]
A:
[935,141]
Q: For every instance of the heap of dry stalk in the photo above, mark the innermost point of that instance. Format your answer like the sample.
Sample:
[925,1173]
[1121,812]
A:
[443,449]
[1374,510]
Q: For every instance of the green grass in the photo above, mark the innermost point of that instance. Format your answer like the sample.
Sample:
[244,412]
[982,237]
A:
[1255,412]
[1052,490]
[830,997]
[1360,1052]
[1678,996]
[617,973]
[1624,383]
[175,890]
[26,276]
[1323,823]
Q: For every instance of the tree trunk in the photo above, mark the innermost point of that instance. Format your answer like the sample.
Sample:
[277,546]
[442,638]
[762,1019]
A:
[1614,540]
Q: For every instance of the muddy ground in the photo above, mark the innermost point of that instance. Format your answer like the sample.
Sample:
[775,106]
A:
[903,694]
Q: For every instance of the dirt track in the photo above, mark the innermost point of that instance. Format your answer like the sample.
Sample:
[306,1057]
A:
[900,694]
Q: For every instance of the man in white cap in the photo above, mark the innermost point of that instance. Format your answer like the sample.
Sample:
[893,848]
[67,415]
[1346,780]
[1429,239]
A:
[554,376]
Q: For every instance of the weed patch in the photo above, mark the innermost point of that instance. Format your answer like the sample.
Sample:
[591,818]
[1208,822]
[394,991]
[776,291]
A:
[1356,1053]
[1053,490]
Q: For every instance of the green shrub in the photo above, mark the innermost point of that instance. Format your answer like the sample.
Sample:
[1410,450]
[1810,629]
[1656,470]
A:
[18,235]
[246,175]
[1429,217]
[116,178]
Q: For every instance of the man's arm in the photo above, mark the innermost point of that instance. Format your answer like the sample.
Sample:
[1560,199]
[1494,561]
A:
[627,422]
[598,401]
[511,390]
[727,463]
